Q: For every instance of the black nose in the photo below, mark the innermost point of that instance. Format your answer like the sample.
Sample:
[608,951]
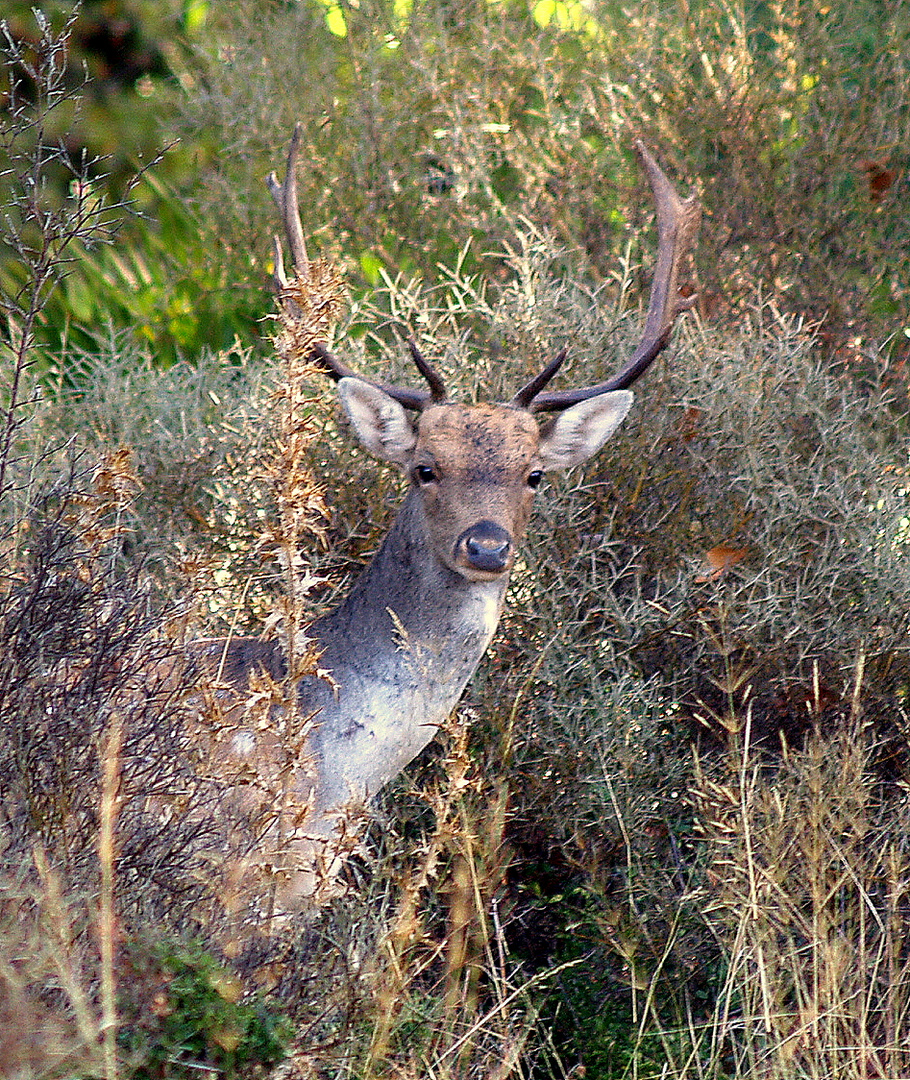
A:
[487,546]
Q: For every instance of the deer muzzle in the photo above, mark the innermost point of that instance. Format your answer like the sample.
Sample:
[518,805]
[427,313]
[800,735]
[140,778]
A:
[485,547]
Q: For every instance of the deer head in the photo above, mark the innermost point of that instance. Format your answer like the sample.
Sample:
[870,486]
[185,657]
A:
[473,470]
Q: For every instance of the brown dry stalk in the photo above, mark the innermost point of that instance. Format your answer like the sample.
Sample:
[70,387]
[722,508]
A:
[107,920]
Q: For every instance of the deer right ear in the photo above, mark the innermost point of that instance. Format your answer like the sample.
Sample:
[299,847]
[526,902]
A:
[581,430]
[381,424]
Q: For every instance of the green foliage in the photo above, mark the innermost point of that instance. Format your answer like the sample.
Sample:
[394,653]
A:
[42,229]
[121,56]
[158,283]
[182,1012]
[437,129]
[782,110]
[121,70]
[417,152]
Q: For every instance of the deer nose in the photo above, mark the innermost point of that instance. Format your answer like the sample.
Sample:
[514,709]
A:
[487,547]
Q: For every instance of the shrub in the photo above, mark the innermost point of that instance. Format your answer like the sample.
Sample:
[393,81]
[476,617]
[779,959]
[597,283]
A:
[791,117]
[186,1012]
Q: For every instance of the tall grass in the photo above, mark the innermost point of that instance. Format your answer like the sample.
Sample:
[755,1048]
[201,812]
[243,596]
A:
[807,879]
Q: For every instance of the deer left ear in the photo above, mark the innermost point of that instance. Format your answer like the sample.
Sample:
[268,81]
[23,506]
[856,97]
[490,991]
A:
[581,430]
[381,424]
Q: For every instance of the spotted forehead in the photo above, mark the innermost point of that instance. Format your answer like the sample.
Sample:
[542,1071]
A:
[478,439]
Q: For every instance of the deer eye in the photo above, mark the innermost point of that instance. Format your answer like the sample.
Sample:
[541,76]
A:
[424,474]
[534,479]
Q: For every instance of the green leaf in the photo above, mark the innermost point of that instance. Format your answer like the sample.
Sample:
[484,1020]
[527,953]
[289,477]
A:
[195,13]
[371,267]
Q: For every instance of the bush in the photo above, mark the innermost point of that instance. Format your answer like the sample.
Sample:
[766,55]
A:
[792,119]
[197,1019]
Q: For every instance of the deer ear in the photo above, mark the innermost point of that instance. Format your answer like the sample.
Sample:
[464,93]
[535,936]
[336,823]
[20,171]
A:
[582,430]
[381,424]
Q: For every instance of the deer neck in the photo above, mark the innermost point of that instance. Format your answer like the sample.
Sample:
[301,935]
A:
[401,649]
[408,613]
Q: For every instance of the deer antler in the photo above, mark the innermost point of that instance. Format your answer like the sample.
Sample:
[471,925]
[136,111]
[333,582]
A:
[404,395]
[285,196]
[677,223]
[530,391]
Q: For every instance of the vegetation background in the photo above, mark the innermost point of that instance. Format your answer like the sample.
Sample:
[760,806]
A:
[666,836]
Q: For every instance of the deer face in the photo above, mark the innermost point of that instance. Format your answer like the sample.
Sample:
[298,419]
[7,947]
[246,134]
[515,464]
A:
[475,468]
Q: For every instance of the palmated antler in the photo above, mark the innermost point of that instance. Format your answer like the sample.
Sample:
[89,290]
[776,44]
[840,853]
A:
[290,290]
[677,223]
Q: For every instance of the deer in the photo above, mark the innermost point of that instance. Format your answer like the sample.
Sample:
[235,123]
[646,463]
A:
[400,648]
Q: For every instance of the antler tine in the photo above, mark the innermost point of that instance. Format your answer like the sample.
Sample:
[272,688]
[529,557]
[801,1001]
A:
[337,370]
[529,391]
[285,196]
[677,223]
[437,386]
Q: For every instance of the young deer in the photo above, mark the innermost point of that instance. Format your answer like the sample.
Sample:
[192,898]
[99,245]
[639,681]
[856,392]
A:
[404,643]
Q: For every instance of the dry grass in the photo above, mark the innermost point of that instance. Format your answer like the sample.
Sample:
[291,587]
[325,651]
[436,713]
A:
[806,885]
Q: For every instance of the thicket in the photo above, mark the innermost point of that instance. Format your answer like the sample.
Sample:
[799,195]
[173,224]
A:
[666,833]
